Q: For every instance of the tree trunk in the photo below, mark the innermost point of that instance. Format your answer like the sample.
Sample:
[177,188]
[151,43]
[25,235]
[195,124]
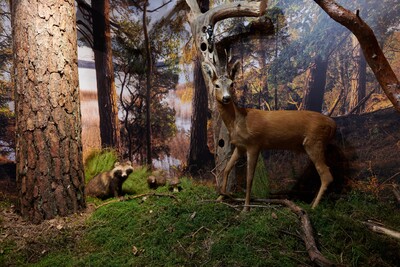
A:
[149,73]
[358,81]
[199,156]
[370,46]
[107,96]
[314,96]
[50,177]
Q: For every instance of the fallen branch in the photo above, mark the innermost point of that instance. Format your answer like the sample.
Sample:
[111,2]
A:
[377,228]
[307,233]
[388,179]
[396,192]
[134,197]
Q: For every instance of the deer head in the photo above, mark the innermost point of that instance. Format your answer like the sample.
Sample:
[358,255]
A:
[222,83]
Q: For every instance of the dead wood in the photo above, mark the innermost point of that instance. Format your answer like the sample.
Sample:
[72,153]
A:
[380,229]
[396,192]
[306,227]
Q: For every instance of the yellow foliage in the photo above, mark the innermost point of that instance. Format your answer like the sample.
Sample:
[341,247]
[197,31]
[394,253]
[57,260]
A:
[189,53]
[185,93]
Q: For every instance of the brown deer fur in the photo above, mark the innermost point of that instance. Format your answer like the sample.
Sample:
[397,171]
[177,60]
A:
[252,130]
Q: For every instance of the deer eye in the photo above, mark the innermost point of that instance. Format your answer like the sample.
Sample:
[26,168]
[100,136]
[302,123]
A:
[217,86]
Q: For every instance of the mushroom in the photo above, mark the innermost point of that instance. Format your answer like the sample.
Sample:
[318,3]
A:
[174,185]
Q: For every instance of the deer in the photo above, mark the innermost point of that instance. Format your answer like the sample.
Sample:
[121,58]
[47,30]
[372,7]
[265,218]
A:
[252,130]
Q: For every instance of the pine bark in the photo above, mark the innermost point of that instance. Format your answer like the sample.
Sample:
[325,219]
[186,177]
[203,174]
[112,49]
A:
[107,96]
[50,176]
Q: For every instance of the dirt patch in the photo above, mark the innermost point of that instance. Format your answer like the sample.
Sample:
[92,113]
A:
[34,241]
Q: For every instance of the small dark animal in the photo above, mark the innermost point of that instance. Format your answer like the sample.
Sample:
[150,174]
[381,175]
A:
[109,184]
[156,180]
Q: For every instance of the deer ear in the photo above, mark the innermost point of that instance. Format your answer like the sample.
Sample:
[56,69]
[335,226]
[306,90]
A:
[209,70]
[234,69]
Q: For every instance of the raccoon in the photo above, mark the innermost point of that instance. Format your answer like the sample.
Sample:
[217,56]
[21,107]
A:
[109,184]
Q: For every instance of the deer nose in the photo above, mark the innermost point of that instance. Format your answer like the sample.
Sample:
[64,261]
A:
[226,98]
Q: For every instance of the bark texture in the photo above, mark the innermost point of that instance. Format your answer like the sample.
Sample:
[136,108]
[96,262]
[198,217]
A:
[370,46]
[199,154]
[315,89]
[149,83]
[359,77]
[50,175]
[107,96]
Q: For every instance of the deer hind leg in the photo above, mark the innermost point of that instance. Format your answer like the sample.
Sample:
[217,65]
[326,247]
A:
[252,157]
[316,152]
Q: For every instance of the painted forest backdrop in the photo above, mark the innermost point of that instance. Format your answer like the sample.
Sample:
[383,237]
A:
[299,56]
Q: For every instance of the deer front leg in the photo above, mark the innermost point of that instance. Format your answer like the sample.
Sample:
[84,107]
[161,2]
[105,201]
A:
[232,161]
[252,157]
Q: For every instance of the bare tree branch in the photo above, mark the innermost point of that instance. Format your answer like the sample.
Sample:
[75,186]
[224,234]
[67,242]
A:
[370,46]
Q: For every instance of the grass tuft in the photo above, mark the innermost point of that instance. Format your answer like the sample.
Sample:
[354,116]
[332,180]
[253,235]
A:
[260,187]
[99,161]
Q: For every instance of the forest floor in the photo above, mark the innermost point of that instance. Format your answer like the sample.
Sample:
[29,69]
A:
[36,240]
[190,228]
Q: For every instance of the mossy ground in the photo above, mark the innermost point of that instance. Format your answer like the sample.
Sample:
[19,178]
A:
[190,228]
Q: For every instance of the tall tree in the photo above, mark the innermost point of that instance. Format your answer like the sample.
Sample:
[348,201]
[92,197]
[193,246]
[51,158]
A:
[106,93]
[50,176]
[199,155]
[358,81]
[149,82]
[315,85]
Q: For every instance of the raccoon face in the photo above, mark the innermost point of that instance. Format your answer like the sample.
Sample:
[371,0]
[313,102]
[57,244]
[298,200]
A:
[122,170]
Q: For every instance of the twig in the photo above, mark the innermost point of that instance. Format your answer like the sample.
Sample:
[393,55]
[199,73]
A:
[388,179]
[381,230]
[135,197]
[396,192]
[307,235]
[229,205]
[187,253]
[198,230]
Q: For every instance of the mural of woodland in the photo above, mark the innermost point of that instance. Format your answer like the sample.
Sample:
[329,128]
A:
[85,84]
